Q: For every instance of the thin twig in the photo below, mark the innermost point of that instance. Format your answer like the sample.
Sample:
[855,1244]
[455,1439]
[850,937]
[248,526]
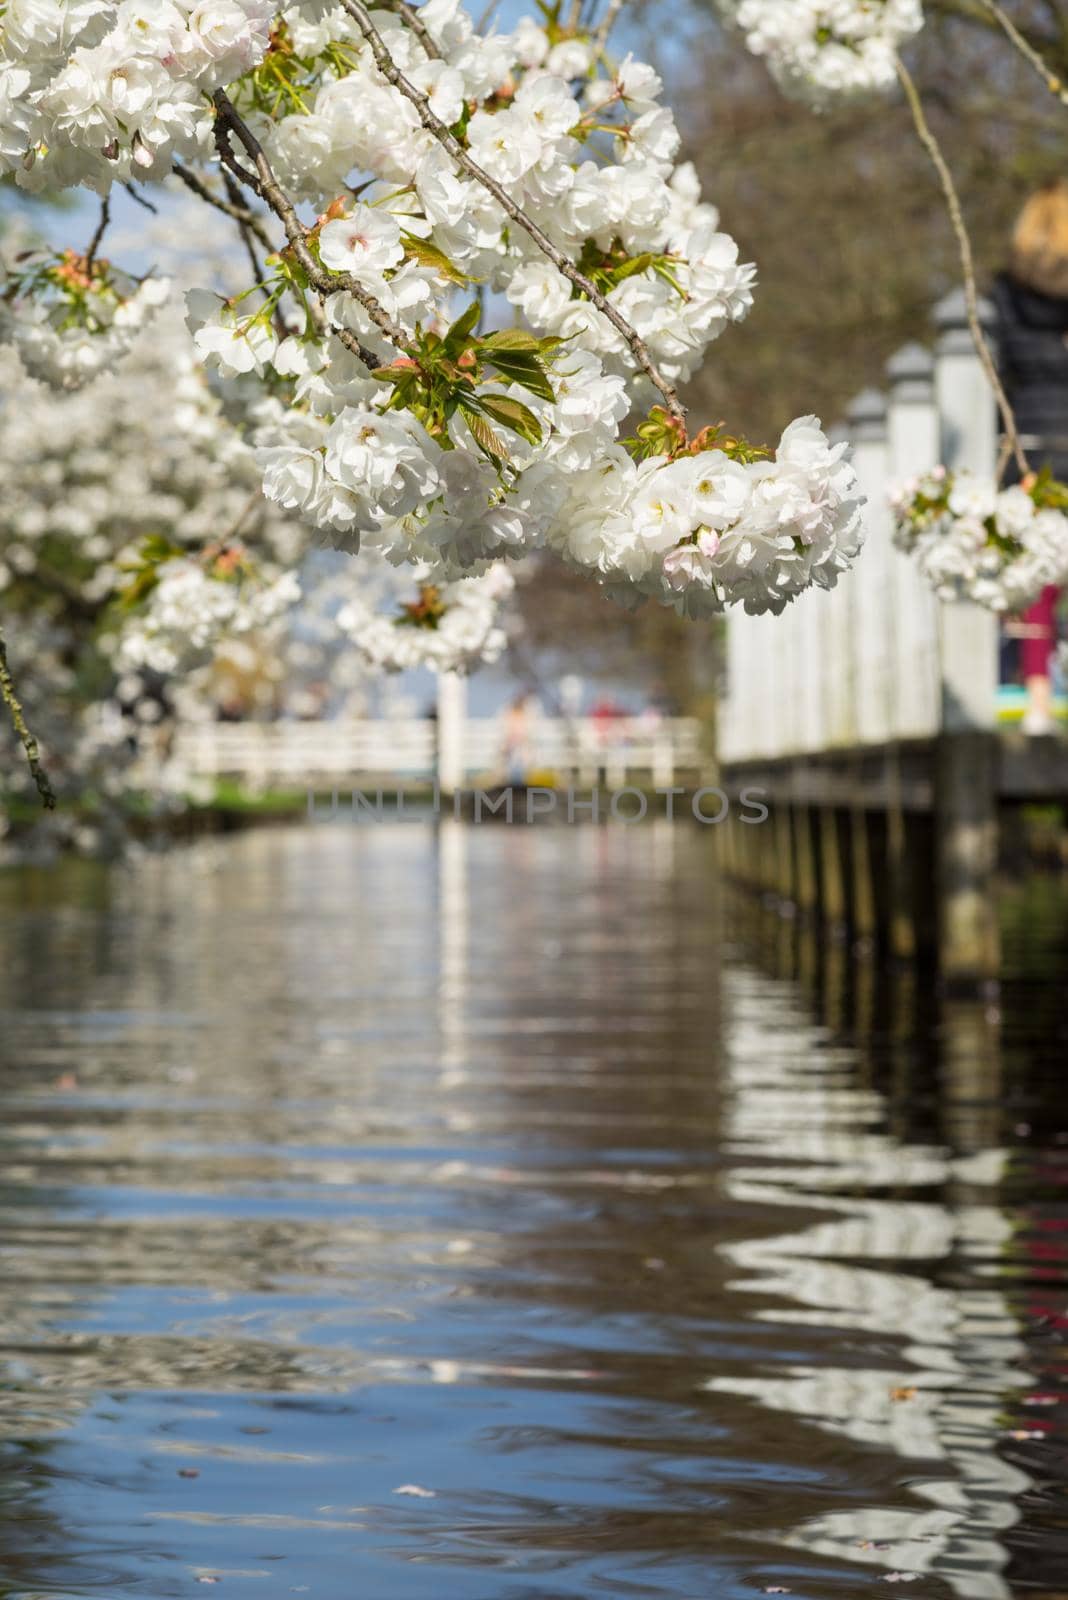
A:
[249,243]
[433,124]
[487,16]
[238,212]
[140,199]
[608,22]
[243,229]
[267,186]
[101,228]
[967,261]
[416,23]
[26,738]
[1027,50]
[216,546]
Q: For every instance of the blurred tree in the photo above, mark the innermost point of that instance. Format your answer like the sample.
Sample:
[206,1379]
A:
[565,629]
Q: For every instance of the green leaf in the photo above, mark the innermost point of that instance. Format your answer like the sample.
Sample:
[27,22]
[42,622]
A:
[429,255]
[156,547]
[485,436]
[630,269]
[511,339]
[525,370]
[513,414]
[457,338]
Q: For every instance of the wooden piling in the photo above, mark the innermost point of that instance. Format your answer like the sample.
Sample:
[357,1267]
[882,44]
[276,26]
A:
[862,919]
[805,871]
[966,844]
[834,869]
[900,875]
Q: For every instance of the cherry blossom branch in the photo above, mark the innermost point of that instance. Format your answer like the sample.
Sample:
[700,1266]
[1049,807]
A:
[967,261]
[248,239]
[197,186]
[401,8]
[26,738]
[1027,50]
[270,190]
[433,124]
[140,200]
[101,228]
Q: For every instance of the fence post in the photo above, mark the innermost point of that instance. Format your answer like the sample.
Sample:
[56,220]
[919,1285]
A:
[836,657]
[872,622]
[966,407]
[663,759]
[914,446]
[966,757]
[452,708]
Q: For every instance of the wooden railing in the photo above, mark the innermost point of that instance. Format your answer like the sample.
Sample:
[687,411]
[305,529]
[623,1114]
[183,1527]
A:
[405,750]
[878,659]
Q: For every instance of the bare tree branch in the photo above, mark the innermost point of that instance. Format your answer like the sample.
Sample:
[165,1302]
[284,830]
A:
[239,213]
[1028,51]
[402,9]
[101,228]
[26,738]
[433,124]
[139,199]
[967,261]
[608,22]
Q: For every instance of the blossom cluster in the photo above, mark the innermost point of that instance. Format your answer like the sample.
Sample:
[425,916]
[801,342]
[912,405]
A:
[451,627]
[997,547]
[821,51]
[70,318]
[101,91]
[707,529]
[93,481]
[421,175]
[190,609]
[589,156]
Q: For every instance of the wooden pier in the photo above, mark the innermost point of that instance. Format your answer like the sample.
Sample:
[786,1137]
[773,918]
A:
[869,714]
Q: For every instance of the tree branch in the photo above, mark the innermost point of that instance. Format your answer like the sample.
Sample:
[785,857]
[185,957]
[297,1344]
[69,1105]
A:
[967,261]
[239,213]
[249,243]
[433,124]
[608,22]
[402,9]
[26,738]
[1028,51]
[267,186]
[101,228]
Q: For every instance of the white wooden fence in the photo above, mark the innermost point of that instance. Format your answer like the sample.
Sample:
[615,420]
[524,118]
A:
[878,658]
[405,750]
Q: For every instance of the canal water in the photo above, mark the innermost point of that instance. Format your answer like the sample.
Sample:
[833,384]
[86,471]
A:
[415,1213]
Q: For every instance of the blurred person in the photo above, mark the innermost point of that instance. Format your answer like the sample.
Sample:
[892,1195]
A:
[516,737]
[1031,300]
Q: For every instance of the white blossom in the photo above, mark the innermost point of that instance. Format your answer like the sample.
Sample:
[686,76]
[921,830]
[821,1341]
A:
[997,547]
[826,50]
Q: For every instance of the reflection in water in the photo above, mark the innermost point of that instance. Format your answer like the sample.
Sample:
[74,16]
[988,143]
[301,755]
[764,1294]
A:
[959,1347]
[505,1168]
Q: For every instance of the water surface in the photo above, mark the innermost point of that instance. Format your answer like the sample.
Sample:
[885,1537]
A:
[510,1214]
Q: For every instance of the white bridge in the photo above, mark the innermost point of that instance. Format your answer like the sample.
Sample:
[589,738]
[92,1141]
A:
[459,751]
